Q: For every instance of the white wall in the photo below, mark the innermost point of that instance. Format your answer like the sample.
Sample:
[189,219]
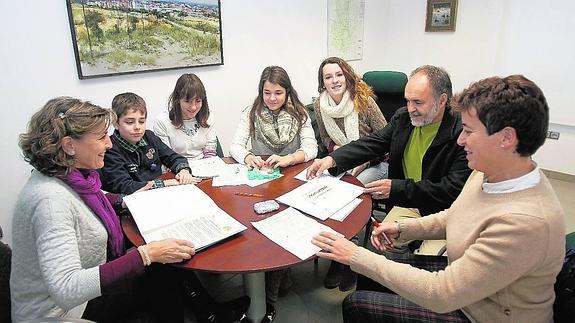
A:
[37,62]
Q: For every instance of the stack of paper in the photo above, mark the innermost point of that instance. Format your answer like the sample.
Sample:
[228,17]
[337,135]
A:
[207,167]
[237,174]
[321,197]
[168,213]
[302,176]
[293,231]
[342,213]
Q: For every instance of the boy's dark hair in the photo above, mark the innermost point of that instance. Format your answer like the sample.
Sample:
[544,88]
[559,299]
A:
[513,101]
[124,102]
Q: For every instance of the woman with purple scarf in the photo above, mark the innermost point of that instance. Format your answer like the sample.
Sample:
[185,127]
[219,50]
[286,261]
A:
[69,258]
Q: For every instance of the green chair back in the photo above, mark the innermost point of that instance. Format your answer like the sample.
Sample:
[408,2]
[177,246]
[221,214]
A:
[570,240]
[219,150]
[389,88]
[321,149]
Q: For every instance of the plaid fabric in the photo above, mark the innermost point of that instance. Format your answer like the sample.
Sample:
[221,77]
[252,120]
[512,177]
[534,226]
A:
[367,306]
[373,302]
[429,263]
[128,145]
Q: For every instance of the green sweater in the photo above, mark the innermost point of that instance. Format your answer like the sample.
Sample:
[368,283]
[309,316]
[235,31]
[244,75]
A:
[504,252]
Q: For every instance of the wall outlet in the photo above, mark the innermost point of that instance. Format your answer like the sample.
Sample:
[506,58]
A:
[553,135]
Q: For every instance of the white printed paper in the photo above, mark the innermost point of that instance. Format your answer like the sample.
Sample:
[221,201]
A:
[342,213]
[293,231]
[207,167]
[302,176]
[322,196]
[232,174]
[181,212]
[237,174]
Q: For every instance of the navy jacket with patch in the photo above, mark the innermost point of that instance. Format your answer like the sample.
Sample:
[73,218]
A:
[127,169]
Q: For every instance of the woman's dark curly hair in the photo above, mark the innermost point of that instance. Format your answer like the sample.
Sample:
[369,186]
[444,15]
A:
[60,117]
[512,101]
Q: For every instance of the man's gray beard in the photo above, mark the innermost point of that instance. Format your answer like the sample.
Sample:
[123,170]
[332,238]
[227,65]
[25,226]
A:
[432,114]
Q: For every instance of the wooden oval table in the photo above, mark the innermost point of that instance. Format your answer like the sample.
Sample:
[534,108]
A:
[250,252]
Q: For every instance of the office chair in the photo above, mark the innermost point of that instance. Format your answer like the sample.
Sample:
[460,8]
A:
[5,262]
[219,150]
[570,240]
[59,320]
[321,149]
[389,87]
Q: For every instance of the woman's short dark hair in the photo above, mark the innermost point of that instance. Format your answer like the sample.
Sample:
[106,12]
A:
[513,101]
[188,86]
[60,117]
[279,76]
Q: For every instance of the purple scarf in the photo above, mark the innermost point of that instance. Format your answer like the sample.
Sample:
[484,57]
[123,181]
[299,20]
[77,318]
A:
[87,184]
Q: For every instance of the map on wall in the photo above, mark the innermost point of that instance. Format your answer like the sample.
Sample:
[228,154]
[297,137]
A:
[345,28]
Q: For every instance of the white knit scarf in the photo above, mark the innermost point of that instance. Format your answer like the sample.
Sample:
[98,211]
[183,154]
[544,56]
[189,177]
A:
[330,110]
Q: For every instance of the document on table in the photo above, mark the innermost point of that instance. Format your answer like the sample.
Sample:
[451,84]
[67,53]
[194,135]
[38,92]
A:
[236,174]
[293,231]
[167,213]
[322,196]
[232,174]
[342,213]
[302,175]
[207,167]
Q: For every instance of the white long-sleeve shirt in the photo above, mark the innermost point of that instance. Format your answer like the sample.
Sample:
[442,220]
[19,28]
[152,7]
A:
[242,145]
[191,147]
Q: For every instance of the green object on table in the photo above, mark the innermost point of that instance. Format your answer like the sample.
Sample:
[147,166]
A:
[258,174]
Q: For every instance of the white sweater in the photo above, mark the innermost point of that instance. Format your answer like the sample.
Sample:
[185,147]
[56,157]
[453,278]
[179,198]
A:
[58,244]
[189,147]
[242,144]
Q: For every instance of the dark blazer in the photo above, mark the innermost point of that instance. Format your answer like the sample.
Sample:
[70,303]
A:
[128,168]
[444,164]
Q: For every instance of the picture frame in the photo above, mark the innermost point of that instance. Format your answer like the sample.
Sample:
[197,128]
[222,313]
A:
[114,37]
[441,15]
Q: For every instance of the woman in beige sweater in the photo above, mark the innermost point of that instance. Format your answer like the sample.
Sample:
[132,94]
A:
[505,232]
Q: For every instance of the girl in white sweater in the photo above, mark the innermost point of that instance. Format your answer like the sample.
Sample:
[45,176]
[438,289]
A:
[187,126]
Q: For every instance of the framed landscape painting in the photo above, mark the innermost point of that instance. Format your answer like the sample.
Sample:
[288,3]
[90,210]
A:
[441,15]
[113,37]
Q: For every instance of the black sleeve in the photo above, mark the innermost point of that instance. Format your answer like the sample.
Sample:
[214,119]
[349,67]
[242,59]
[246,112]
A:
[172,160]
[115,176]
[366,148]
[432,195]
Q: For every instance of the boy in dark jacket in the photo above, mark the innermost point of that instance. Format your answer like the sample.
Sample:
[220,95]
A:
[135,161]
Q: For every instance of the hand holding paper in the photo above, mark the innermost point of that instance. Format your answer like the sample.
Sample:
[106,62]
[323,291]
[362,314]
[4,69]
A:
[318,166]
[170,250]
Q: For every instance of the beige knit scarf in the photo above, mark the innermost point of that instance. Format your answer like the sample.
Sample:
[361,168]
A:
[275,130]
[330,110]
